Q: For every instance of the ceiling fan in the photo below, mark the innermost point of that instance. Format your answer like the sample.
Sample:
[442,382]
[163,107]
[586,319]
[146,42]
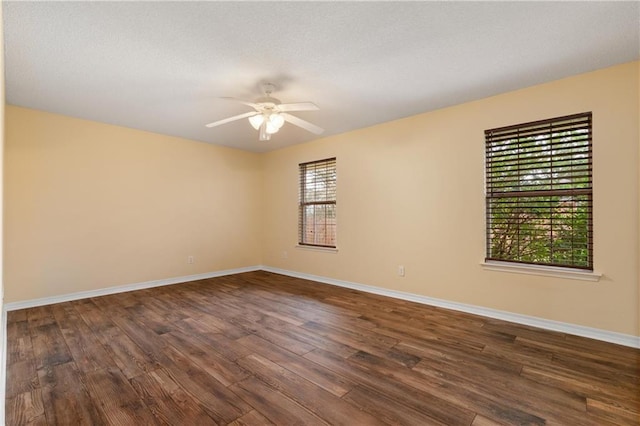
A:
[270,114]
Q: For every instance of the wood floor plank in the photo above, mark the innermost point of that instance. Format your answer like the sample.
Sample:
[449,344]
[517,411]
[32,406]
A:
[463,331]
[518,393]
[294,345]
[600,368]
[66,397]
[272,314]
[614,413]
[204,313]
[17,316]
[511,353]
[40,315]
[25,409]
[450,389]
[21,377]
[151,320]
[428,336]
[316,340]
[429,403]
[259,348]
[118,402]
[372,343]
[211,394]
[252,418]
[315,373]
[148,340]
[220,403]
[573,349]
[481,420]
[97,320]
[388,410]
[86,350]
[622,355]
[168,403]
[502,376]
[215,339]
[273,405]
[128,356]
[296,311]
[584,385]
[161,302]
[49,346]
[21,369]
[307,394]
[464,358]
[225,371]
[19,347]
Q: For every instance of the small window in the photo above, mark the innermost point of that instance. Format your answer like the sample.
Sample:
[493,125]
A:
[317,207]
[539,192]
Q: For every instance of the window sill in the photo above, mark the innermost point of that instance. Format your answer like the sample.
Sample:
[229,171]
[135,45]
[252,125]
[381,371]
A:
[317,248]
[546,271]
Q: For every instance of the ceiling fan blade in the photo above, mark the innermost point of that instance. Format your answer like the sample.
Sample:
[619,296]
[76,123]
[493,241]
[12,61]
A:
[251,104]
[298,106]
[230,119]
[302,123]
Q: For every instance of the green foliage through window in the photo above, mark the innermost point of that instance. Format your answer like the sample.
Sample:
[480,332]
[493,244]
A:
[539,192]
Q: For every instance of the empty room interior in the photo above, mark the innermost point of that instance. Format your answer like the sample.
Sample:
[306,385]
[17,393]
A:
[358,213]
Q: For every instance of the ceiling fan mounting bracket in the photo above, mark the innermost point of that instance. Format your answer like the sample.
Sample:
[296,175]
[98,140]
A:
[267,101]
[268,88]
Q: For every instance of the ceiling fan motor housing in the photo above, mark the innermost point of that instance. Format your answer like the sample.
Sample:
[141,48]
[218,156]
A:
[268,102]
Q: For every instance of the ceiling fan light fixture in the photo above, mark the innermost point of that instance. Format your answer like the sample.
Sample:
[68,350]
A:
[264,134]
[270,127]
[256,121]
[276,120]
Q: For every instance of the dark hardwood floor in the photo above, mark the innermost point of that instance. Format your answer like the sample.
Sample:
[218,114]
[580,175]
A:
[260,348]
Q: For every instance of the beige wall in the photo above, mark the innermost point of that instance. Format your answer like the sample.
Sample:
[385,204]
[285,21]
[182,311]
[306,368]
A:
[411,192]
[2,108]
[90,206]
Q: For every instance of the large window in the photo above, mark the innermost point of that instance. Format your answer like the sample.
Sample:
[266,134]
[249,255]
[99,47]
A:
[317,207]
[539,192]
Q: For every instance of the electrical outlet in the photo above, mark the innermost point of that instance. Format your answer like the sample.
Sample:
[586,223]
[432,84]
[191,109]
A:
[401,270]
[190,259]
[285,255]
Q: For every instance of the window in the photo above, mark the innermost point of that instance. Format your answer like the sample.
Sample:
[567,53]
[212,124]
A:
[317,208]
[539,192]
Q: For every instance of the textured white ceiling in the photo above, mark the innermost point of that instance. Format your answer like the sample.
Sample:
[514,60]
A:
[163,66]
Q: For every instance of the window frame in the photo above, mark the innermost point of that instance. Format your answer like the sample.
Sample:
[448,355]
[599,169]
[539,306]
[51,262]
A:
[330,163]
[574,194]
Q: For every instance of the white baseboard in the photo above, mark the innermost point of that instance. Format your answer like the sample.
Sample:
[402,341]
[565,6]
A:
[578,330]
[12,306]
